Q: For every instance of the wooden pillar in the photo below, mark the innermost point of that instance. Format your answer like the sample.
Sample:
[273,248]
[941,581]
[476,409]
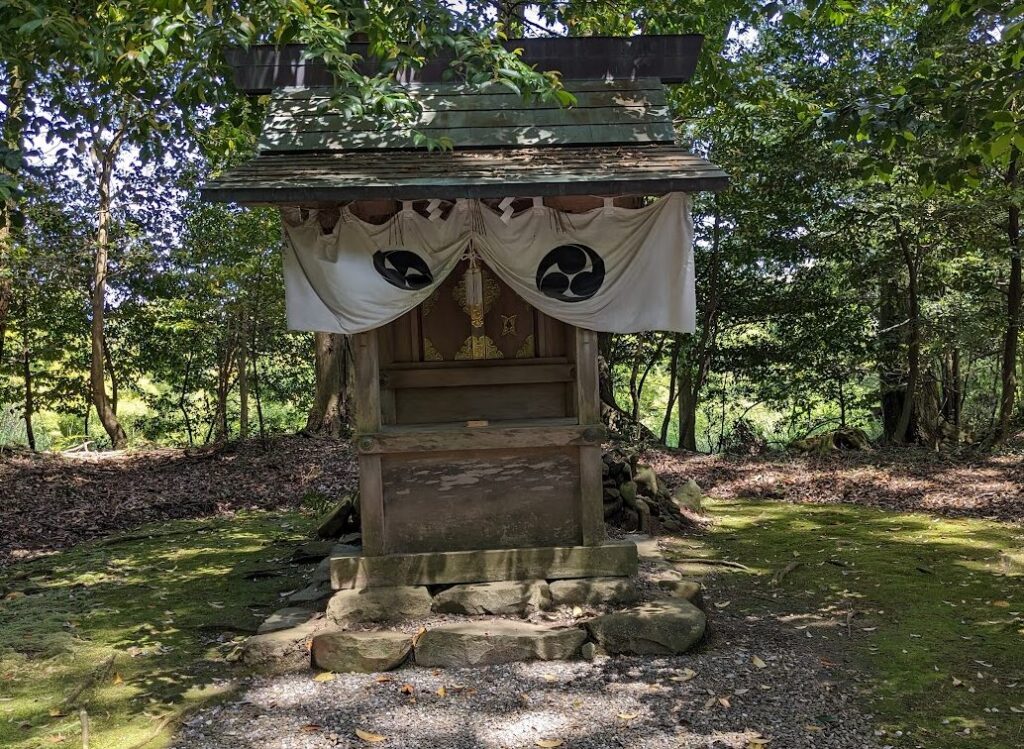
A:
[371,488]
[588,407]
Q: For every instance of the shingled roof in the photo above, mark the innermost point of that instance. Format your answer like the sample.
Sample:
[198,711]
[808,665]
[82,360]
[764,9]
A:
[617,139]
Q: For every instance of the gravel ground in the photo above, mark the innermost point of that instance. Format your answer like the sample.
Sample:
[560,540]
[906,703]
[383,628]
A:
[718,697]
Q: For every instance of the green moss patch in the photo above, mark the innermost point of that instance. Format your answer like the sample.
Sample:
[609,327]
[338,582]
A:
[136,630]
[929,609]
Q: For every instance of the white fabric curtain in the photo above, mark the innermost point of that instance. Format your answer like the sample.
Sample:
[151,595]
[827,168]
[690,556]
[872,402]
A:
[619,270]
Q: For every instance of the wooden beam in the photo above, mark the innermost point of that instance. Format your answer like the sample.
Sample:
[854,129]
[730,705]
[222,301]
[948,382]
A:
[587,391]
[368,421]
[610,559]
[463,376]
[479,438]
[671,58]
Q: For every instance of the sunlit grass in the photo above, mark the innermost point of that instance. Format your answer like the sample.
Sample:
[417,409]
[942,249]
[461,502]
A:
[927,609]
[136,632]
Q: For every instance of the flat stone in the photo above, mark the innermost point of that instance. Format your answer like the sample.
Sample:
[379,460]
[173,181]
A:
[470,644]
[362,652]
[333,521]
[281,652]
[379,604]
[594,590]
[322,573]
[689,496]
[589,651]
[519,597]
[286,618]
[311,594]
[646,547]
[665,627]
[311,551]
[687,589]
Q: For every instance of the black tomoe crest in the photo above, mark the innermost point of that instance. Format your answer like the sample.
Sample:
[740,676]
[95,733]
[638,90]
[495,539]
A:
[403,268]
[570,273]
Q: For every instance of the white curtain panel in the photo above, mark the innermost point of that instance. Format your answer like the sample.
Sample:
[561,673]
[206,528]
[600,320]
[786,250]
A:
[619,270]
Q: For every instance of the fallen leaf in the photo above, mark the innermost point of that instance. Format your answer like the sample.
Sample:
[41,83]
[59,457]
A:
[724,702]
[721,604]
[957,682]
[118,679]
[577,612]
[441,691]
[685,675]
[758,663]
[310,728]
[406,689]
[550,677]
[370,738]
[324,676]
[384,679]
[416,637]
[1001,604]
[55,738]
[626,716]
[549,743]
[14,595]
[55,712]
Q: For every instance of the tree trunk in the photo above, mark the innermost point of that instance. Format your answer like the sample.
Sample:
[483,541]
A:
[905,428]
[104,160]
[1008,374]
[243,383]
[26,360]
[12,136]
[673,388]
[330,411]
[889,356]
[606,380]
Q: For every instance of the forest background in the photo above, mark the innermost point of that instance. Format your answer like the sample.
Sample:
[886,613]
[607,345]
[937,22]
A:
[863,270]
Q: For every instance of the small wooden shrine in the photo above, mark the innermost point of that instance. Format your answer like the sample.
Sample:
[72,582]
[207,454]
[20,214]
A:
[478,423]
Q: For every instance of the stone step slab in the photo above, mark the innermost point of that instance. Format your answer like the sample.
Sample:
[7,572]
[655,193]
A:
[504,597]
[469,644]
[286,618]
[281,652]
[360,652]
[379,604]
[666,627]
[594,590]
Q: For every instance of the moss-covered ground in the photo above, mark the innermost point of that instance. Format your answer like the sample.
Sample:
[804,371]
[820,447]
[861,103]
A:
[930,610]
[136,630]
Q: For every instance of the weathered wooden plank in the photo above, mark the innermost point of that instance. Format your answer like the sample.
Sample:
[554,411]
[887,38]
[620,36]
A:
[588,393]
[462,376]
[538,400]
[371,504]
[591,496]
[480,438]
[468,499]
[364,350]
[329,122]
[610,559]
[475,137]
[670,58]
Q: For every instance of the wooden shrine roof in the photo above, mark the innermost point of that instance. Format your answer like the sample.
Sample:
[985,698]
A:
[606,112]
[330,178]
[618,139]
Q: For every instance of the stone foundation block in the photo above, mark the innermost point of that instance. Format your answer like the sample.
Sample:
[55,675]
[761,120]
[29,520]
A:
[505,597]
[666,627]
[362,652]
[495,642]
[594,590]
[379,604]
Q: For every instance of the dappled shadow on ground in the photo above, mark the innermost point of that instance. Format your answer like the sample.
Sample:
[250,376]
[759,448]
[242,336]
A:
[717,697]
[924,606]
[895,479]
[137,630]
[51,502]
